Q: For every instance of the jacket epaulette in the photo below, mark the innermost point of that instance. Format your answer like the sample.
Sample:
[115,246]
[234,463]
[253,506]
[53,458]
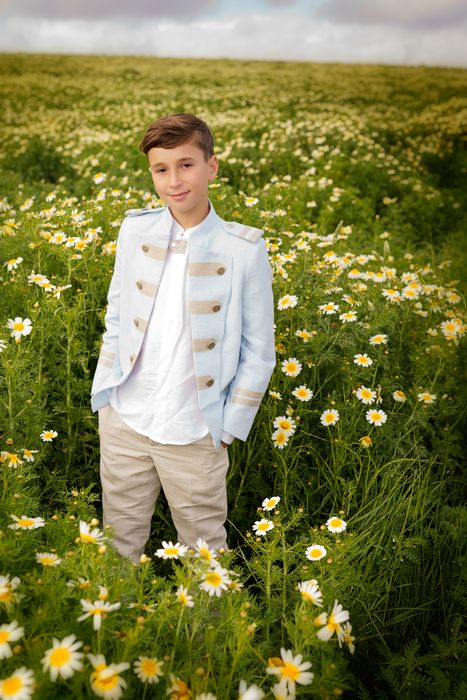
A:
[146,210]
[249,233]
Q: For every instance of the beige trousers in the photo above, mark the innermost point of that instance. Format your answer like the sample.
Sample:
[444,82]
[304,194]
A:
[134,468]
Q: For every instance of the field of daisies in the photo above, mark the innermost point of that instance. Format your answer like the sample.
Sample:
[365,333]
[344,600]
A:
[345,573]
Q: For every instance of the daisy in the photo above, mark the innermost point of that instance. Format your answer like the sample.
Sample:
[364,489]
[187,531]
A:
[47,559]
[378,339]
[286,424]
[281,692]
[251,201]
[329,308]
[99,177]
[366,441]
[291,367]
[376,416]
[346,637]
[304,335]
[287,302]
[18,686]
[290,668]
[98,610]
[251,692]
[13,263]
[105,679]
[280,439]
[365,395]
[7,588]
[86,535]
[63,659]
[310,592]
[261,527]
[28,455]
[348,317]
[179,690]
[362,360]
[9,633]
[215,581]
[302,393]
[391,295]
[13,459]
[399,396]
[19,327]
[270,503]
[148,669]
[426,397]
[184,598]
[331,622]
[336,524]
[48,435]
[203,551]
[315,552]
[275,394]
[171,551]
[329,417]
[26,523]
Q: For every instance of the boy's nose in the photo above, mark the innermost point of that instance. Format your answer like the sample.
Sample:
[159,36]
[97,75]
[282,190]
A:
[174,179]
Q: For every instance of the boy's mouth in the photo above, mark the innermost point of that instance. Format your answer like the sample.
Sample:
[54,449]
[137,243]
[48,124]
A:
[178,196]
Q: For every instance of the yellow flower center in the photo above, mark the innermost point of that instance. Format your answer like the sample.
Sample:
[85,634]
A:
[171,550]
[213,578]
[291,366]
[149,667]
[18,326]
[4,636]
[59,657]
[329,417]
[205,554]
[270,503]
[280,437]
[290,671]
[5,595]
[284,424]
[263,526]
[315,553]
[87,538]
[99,611]
[25,522]
[47,561]
[335,522]
[105,679]
[11,686]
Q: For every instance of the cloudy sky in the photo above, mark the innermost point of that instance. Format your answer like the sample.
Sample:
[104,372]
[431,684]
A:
[410,32]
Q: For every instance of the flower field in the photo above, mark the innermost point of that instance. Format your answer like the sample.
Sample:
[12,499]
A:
[346,572]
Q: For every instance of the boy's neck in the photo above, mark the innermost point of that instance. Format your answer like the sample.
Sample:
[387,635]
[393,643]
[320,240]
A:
[192,218]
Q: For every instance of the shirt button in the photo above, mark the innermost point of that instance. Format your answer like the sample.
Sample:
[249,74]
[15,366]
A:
[220,270]
[132,357]
[211,346]
[210,382]
[173,244]
[145,248]
[139,284]
[216,307]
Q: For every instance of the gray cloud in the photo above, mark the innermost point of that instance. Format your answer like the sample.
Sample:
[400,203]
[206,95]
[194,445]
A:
[416,14]
[106,9]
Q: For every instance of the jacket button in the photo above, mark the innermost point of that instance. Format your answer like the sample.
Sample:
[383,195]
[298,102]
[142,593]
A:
[132,357]
[216,307]
[210,382]
[139,284]
[136,322]
[211,346]
[220,270]
[145,248]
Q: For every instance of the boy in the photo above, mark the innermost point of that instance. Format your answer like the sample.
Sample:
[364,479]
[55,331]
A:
[188,348]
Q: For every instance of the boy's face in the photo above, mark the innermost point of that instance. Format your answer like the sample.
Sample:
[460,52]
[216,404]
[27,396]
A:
[181,176]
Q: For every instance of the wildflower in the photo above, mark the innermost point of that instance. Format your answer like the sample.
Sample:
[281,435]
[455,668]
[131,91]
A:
[365,395]
[280,438]
[270,503]
[148,669]
[179,690]
[287,302]
[331,622]
[291,367]
[13,263]
[9,633]
[26,523]
[99,177]
[366,441]
[362,360]
[291,669]
[399,396]
[315,552]
[215,581]
[86,535]
[251,692]
[7,588]
[329,308]
[105,679]
[346,637]
[302,393]
[48,435]
[310,592]
[261,527]
[171,551]
[287,425]
[304,335]
[19,327]
[281,692]
[47,559]
[63,659]
[329,417]
[13,459]
[18,686]
[28,455]
[348,317]
[251,201]
[426,397]
[275,395]
[204,551]
[391,295]
[98,610]
[378,339]
[335,524]
[184,598]
[376,416]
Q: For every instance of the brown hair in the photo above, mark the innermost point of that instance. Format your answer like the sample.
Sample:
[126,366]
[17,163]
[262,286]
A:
[176,129]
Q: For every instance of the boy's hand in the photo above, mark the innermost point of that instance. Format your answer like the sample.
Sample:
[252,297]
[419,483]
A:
[224,444]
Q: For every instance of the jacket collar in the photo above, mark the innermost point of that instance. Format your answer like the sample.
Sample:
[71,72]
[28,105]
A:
[198,233]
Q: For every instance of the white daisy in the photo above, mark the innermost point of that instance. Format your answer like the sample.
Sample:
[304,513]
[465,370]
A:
[261,527]
[171,551]
[63,659]
[315,552]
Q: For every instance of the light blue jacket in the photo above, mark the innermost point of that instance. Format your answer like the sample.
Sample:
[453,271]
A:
[230,298]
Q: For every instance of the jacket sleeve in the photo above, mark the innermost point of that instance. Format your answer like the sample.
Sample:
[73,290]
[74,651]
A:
[108,363]
[257,348]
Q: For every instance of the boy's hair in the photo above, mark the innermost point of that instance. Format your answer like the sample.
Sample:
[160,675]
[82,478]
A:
[176,129]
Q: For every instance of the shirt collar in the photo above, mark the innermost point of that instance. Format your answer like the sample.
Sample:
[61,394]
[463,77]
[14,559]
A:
[177,230]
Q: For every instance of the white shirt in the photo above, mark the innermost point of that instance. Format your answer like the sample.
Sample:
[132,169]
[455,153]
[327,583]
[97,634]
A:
[160,397]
